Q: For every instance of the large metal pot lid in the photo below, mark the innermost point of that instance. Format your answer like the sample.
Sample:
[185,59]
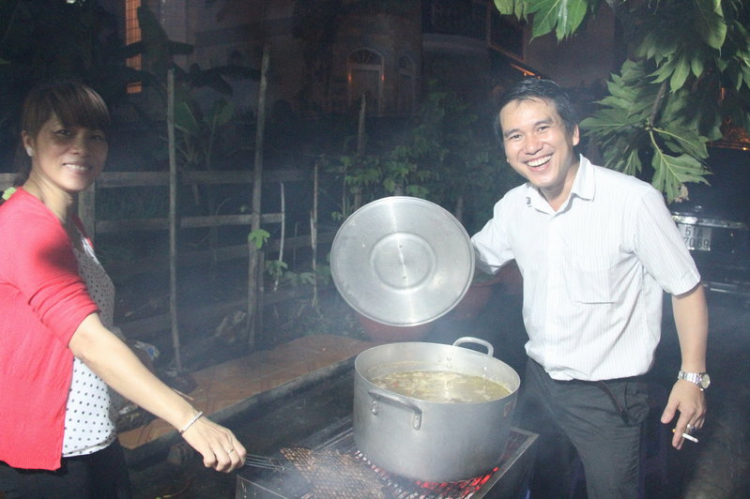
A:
[402,261]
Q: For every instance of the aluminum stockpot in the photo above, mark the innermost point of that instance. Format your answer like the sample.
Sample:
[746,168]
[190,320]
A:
[431,441]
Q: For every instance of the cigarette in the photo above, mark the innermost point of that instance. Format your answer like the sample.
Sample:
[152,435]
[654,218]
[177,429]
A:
[688,436]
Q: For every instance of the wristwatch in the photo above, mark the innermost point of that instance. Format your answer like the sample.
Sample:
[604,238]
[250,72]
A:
[703,380]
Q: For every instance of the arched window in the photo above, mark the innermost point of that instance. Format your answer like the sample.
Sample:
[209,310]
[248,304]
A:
[365,77]
[132,35]
[406,87]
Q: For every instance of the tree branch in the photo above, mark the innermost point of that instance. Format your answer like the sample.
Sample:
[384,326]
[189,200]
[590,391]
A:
[657,103]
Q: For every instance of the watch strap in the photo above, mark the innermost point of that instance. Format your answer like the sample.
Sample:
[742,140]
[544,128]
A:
[696,378]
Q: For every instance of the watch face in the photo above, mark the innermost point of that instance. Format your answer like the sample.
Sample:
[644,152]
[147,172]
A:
[705,381]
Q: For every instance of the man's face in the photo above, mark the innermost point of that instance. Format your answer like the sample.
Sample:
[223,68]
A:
[539,148]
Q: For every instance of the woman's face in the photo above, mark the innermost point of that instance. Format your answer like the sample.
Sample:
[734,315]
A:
[68,157]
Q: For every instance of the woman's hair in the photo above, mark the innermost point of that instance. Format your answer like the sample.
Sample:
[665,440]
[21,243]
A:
[536,88]
[74,103]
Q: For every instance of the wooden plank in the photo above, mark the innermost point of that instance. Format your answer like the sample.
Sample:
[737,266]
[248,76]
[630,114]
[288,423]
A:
[244,177]
[148,326]
[221,254]
[144,179]
[6,180]
[110,226]
[132,179]
[109,180]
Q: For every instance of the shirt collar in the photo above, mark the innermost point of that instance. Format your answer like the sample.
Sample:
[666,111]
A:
[583,187]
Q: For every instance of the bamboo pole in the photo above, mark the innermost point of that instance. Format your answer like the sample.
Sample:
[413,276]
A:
[314,236]
[254,273]
[361,126]
[283,235]
[360,148]
[173,223]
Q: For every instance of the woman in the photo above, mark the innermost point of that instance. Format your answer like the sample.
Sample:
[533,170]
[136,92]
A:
[57,351]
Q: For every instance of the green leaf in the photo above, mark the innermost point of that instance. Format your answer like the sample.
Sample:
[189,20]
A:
[680,74]
[609,119]
[258,237]
[185,119]
[646,48]
[683,139]
[546,13]
[696,66]
[710,23]
[671,172]
[221,112]
[633,163]
[616,102]
[566,15]
[745,73]
[505,7]
[570,22]
[664,71]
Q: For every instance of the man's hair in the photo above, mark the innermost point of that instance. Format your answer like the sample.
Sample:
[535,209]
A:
[536,88]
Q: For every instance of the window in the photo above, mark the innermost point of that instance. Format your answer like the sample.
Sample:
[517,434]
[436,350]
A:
[133,35]
[365,77]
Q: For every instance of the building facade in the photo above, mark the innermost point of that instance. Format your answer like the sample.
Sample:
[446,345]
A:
[325,55]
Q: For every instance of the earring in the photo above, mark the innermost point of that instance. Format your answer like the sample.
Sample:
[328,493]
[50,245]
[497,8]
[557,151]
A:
[29,151]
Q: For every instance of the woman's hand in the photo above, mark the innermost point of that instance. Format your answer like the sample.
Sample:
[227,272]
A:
[118,366]
[219,447]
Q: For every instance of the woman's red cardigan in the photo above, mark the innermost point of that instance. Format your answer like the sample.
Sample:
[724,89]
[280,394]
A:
[43,300]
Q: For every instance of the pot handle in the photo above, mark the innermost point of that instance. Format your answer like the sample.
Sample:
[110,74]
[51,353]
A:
[478,341]
[376,395]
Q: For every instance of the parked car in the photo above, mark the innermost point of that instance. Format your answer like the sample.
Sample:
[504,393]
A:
[715,223]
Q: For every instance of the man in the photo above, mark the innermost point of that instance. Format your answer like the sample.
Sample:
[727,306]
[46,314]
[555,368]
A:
[596,248]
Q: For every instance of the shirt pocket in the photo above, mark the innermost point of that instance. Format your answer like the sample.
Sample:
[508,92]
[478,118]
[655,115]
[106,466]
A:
[590,279]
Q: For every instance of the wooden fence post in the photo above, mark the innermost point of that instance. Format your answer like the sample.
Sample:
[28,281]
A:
[87,211]
[255,274]
[314,235]
[173,223]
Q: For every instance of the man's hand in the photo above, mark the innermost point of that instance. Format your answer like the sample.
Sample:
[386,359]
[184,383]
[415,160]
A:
[690,401]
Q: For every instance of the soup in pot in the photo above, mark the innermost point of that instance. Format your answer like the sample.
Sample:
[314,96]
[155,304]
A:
[442,386]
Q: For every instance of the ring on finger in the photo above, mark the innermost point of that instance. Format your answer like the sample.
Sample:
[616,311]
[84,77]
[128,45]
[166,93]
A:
[690,428]
[230,451]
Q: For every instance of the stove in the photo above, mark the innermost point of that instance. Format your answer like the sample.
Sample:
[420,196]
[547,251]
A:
[509,479]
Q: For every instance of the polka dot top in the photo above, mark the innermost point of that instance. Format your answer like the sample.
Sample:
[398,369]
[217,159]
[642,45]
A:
[90,414]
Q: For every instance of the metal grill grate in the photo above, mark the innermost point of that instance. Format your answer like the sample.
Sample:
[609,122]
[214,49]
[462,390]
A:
[335,475]
[331,467]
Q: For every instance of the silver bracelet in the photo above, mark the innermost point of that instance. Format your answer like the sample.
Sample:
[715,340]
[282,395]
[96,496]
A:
[190,423]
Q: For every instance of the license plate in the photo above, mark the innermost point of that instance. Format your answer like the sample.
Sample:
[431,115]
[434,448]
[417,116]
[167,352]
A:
[696,238]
